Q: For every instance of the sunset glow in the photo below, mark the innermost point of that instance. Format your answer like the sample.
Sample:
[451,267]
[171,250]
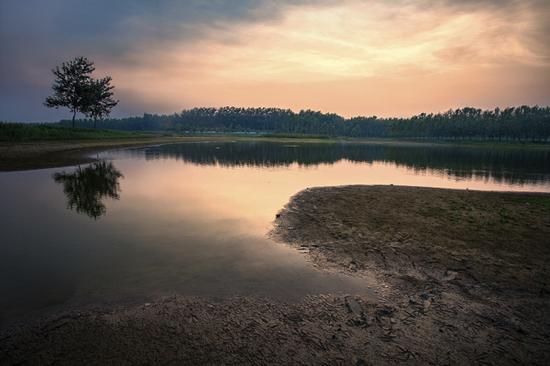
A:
[349,57]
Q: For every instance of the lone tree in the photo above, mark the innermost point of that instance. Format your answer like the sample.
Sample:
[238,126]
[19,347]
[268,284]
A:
[72,80]
[98,100]
[75,89]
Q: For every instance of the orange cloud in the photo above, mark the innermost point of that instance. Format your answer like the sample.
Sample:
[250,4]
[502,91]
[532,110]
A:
[352,58]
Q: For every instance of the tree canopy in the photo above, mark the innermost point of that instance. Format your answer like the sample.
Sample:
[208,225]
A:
[98,99]
[74,88]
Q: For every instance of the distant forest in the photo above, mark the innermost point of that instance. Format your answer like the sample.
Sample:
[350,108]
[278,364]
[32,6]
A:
[523,123]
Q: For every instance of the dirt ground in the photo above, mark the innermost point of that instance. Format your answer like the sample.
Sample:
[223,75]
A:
[461,278]
[322,330]
[464,274]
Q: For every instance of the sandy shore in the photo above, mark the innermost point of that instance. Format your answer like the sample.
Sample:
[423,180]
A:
[461,278]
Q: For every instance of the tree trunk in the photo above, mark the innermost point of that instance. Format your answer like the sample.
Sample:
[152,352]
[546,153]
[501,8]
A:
[95,119]
[74,115]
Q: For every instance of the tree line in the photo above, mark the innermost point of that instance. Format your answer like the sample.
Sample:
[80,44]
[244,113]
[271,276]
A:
[75,89]
[524,123]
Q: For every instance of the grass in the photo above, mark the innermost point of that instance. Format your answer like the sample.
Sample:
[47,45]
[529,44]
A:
[297,136]
[29,132]
[23,132]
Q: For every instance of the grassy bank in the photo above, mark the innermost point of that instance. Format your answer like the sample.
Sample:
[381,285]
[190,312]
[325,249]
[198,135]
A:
[304,138]
[24,132]
[53,153]
[297,136]
[34,146]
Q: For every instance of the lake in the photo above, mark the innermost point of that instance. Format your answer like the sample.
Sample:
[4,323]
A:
[192,218]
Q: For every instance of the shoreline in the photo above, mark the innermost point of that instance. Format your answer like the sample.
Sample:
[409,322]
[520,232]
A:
[461,278]
[42,154]
[17,156]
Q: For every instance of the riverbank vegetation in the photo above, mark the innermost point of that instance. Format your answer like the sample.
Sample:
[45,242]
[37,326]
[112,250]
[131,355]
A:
[47,149]
[522,123]
[24,132]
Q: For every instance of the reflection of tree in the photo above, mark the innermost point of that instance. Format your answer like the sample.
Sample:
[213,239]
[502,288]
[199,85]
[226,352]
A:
[85,188]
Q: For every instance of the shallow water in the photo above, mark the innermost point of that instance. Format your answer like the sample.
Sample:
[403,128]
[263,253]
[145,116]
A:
[192,218]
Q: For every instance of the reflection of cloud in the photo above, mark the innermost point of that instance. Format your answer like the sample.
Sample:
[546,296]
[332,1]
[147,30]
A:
[173,55]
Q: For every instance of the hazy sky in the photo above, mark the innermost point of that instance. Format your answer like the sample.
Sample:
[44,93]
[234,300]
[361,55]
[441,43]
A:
[352,57]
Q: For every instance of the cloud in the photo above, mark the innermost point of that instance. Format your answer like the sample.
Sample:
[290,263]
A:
[112,28]
[353,39]
[36,34]
[160,52]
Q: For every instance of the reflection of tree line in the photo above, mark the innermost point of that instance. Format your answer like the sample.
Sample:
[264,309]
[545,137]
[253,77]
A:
[86,187]
[509,165]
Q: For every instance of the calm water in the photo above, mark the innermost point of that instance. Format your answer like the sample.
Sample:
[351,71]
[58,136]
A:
[192,218]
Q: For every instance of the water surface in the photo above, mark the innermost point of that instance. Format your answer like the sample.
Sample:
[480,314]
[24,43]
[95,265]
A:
[192,218]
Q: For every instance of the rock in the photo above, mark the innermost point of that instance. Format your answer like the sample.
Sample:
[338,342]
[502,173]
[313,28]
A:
[384,312]
[425,296]
[427,304]
[353,306]
[449,275]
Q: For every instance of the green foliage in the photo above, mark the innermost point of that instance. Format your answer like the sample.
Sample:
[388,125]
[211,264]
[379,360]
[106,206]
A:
[295,136]
[74,88]
[71,83]
[98,98]
[20,132]
[511,124]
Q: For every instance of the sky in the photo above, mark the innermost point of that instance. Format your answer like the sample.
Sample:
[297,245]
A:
[351,57]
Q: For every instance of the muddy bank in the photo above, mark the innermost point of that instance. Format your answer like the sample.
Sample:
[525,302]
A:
[464,274]
[461,279]
[48,154]
[320,330]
